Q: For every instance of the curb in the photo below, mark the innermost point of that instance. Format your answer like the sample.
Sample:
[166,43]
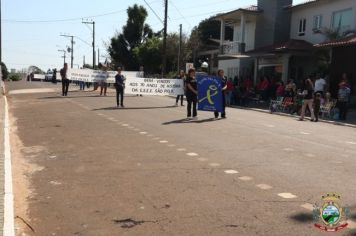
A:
[9,229]
[295,116]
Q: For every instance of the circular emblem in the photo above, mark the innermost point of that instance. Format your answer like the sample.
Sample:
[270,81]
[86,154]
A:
[330,214]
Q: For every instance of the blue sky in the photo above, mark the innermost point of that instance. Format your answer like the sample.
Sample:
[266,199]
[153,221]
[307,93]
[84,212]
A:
[37,43]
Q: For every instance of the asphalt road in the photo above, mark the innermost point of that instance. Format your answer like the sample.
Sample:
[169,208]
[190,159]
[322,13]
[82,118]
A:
[83,167]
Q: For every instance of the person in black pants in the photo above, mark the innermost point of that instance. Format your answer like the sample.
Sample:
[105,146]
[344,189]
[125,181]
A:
[192,94]
[223,86]
[181,76]
[65,80]
[119,86]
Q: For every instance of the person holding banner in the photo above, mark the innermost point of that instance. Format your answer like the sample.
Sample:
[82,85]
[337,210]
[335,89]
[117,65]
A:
[119,86]
[103,83]
[223,87]
[192,94]
[181,76]
[65,80]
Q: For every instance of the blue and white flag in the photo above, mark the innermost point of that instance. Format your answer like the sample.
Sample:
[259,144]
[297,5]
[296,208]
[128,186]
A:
[209,93]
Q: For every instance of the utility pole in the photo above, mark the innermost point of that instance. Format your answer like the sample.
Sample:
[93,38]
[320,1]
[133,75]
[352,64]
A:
[98,56]
[164,63]
[0,35]
[180,46]
[64,55]
[83,61]
[72,48]
[92,23]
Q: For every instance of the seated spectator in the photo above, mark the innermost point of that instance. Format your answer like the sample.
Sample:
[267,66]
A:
[228,92]
[343,100]
[262,88]
[290,89]
[280,89]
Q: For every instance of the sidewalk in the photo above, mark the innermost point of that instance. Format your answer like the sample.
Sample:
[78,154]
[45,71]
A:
[2,156]
[350,122]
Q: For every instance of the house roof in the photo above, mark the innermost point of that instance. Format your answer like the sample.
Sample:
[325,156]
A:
[250,9]
[350,40]
[294,45]
[307,2]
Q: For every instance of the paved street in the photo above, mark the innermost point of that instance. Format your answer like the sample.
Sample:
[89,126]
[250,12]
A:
[83,167]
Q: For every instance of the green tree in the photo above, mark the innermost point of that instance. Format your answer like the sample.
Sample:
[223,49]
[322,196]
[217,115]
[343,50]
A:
[134,33]
[149,54]
[35,70]
[4,71]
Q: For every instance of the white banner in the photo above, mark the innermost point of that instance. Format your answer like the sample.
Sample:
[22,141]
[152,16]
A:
[133,84]
[88,75]
[148,86]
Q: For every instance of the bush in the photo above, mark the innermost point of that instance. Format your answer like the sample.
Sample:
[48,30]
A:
[15,77]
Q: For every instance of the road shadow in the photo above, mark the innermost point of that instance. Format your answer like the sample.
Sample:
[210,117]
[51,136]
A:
[182,121]
[69,96]
[302,217]
[132,108]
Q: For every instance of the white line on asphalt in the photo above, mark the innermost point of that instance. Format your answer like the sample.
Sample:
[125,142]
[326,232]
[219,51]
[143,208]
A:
[263,186]
[52,157]
[8,229]
[125,125]
[308,206]
[288,149]
[163,141]
[202,159]
[181,149]
[192,154]
[270,126]
[53,182]
[287,195]
[306,133]
[309,155]
[214,164]
[143,133]
[353,143]
[231,172]
[245,178]
[101,114]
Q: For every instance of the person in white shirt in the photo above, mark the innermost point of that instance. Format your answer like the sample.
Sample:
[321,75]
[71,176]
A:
[320,85]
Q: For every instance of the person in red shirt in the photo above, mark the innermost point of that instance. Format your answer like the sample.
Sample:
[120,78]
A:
[262,87]
[228,92]
[280,89]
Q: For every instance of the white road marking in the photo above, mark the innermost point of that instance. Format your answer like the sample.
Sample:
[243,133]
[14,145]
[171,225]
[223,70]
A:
[55,182]
[143,133]
[101,114]
[231,172]
[181,149]
[288,149]
[287,195]
[125,125]
[192,154]
[163,141]
[308,206]
[214,164]
[306,133]
[245,178]
[270,126]
[52,157]
[202,159]
[309,155]
[8,228]
[349,142]
[27,91]
[263,186]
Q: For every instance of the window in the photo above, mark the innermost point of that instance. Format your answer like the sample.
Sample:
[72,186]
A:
[317,22]
[302,25]
[342,19]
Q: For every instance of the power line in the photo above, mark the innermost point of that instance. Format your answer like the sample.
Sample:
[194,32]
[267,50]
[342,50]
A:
[149,6]
[179,12]
[63,20]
